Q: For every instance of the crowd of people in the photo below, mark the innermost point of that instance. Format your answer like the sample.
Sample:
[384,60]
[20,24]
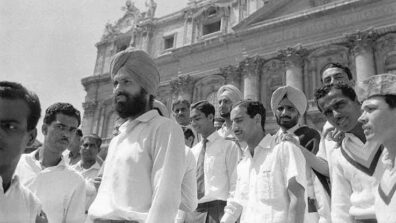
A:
[195,167]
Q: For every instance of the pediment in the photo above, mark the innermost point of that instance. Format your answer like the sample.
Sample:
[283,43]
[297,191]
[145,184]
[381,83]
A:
[275,9]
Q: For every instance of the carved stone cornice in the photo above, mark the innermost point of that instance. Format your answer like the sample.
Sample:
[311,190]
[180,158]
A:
[251,66]
[90,107]
[182,83]
[293,56]
[361,41]
[386,43]
[231,74]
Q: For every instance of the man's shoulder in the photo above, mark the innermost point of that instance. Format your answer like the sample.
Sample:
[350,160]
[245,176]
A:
[70,174]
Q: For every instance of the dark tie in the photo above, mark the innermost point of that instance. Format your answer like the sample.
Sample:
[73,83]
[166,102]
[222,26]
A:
[200,170]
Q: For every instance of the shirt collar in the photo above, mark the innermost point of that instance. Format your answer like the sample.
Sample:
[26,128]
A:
[96,166]
[61,163]
[291,130]
[145,117]
[266,142]
[14,181]
[213,137]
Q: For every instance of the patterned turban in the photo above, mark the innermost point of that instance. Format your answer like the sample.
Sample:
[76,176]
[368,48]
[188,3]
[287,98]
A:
[160,106]
[140,66]
[231,92]
[295,96]
[381,84]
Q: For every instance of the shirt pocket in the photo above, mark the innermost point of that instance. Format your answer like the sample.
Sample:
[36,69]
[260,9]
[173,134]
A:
[264,185]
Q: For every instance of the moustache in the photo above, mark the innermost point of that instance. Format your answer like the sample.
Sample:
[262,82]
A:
[121,94]
[65,139]
[285,116]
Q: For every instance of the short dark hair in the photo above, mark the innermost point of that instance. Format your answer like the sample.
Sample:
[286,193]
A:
[253,108]
[13,90]
[98,140]
[336,65]
[205,107]
[61,108]
[180,101]
[390,99]
[346,90]
[188,133]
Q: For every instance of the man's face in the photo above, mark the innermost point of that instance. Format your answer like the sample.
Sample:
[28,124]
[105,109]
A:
[200,122]
[129,98]
[59,133]
[286,114]
[378,120]
[75,143]
[225,106]
[340,111]
[242,123]
[181,112]
[335,75]
[14,136]
[89,149]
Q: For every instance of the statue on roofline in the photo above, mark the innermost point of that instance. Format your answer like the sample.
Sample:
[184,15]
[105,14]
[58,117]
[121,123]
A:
[151,7]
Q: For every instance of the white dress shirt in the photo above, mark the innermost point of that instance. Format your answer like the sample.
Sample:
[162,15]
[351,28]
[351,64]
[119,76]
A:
[352,186]
[314,190]
[220,162]
[143,172]
[60,189]
[189,200]
[18,204]
[328,149]
[385,199]
[262,186]
[89,175]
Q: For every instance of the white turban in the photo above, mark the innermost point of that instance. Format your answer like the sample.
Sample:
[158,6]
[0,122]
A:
[295,96]
[231,92]
[140,66]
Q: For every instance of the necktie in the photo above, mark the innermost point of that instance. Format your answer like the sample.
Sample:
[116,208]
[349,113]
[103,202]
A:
[200,171]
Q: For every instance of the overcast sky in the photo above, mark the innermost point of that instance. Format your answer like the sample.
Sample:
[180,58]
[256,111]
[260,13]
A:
[49,45]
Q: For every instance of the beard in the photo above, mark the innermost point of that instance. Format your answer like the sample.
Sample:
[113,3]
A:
[134,104]
[286,123]
[225,115]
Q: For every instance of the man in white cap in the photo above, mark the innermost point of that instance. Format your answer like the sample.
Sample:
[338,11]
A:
[289,105]
[227,96]
[378,94]
[142,174]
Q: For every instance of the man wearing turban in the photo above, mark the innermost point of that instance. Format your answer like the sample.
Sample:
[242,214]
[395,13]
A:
[227,96]
[289,105]
[142,174]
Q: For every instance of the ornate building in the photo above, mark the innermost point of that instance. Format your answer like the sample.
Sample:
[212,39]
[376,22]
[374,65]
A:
[256,45]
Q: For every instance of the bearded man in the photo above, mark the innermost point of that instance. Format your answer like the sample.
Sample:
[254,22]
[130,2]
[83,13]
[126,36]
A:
[142,174]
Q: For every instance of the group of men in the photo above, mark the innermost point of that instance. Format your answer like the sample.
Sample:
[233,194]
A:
[161,170]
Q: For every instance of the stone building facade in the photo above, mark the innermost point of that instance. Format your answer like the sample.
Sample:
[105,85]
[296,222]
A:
[256,45]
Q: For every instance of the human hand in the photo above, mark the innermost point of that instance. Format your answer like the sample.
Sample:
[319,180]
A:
[289,137]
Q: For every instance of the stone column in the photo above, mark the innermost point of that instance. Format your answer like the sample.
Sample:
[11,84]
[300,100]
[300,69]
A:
[251,69]
[294,61]
[182,87]
[88,120]
[231,75]
[362,43]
